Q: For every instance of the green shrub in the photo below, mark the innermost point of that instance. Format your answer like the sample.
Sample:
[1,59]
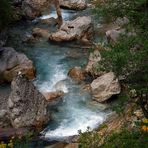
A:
[126,139]
[89,139]
[122,139]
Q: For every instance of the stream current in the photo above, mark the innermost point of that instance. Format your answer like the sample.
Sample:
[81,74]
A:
[74,112]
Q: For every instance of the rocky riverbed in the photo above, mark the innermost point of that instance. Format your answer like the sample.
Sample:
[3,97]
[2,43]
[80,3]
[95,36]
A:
[51,80]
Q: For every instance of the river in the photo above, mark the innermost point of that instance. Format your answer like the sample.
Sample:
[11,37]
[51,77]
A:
[74,112]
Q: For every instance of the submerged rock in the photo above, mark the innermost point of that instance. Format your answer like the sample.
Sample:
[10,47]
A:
[79,29]
[12,63]
[73,4]
[105,86]
[26,105]
[40,32]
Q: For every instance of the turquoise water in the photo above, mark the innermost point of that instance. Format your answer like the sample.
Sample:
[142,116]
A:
[52,64]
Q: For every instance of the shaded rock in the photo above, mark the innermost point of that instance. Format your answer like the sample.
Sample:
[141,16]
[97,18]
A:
[79,29]
[51,96]
[33,8]
[73,4]
[94,58]
[7,133]
[3,37]
[114,34]
[27,106]
[4,118]
[122,21]
[105,86]
[29,38]
[38,32]
[12,63]
[76,74]
[49,21]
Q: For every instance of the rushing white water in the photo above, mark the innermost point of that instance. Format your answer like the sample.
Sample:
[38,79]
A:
[49,84]
[74,112]
[80,119]
[53,14]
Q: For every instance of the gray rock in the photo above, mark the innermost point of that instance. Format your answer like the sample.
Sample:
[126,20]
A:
[12,63]
[73,4]
[94,58]
[105,86]
[33,8]
[79,29]
[4,118]
[27,106]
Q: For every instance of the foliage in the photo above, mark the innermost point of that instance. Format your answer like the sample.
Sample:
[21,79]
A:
[128,57]
[125,138]
[136,10]
[5,13]
[120,103]
[17,142]
[89,139]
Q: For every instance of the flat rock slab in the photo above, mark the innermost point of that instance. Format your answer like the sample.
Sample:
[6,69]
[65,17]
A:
[78,29]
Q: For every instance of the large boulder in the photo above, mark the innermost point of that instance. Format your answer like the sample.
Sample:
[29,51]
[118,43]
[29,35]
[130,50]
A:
[76,74]
[33,8]
[26,105]
[79,29]
[105,86]
[12,63]
[73,4]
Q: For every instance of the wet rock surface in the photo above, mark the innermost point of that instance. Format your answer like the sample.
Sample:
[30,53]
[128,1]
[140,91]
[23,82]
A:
[76,74]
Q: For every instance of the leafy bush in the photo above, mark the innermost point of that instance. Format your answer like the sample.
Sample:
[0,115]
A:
[89,139]
[126,139]
[128,57]
[122,139]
